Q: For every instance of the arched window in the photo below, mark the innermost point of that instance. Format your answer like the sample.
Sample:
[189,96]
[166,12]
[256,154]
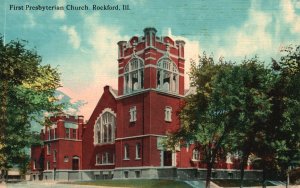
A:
[104,129]
[167,75]
[168,114]
[134,76]
[126,152]
[138,151]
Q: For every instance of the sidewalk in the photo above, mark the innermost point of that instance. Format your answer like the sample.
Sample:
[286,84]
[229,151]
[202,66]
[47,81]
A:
[48,184]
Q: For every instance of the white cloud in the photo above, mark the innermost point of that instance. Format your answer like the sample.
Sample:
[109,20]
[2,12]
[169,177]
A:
[98,62]
[89,93]
[251,38]
[263,33]
[297,4]
[30,20]
[104,65]
[74,103]
[74,38]
[290,17]
[59,14]
[103,40]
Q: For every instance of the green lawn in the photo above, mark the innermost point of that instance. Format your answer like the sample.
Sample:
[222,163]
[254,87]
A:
[236,183]
[137,183]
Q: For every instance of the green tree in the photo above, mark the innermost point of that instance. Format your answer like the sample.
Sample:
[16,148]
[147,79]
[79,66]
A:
[27,91]
[228,111]
[285,118]
[244,89]
[200,117]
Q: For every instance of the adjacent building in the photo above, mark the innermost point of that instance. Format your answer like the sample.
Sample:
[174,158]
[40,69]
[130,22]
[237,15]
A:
[61,151]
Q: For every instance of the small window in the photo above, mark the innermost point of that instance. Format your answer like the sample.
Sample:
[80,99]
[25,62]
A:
[126,152]
[48,149]
[55,133]
[66,159]
[105,157]
[132,113]
[49,134]
[74,134]
[54,155]
[98,159]
[214,174]
[138,151]
[67,132]
[34,165]
[126,174]
[137,174]
[48,165]
[196,155]
[168,114]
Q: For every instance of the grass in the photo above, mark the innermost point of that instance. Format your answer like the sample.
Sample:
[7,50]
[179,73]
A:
[237,183]
[137,183]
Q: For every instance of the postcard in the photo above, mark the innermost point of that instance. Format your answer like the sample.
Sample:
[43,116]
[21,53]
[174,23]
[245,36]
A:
[126,69]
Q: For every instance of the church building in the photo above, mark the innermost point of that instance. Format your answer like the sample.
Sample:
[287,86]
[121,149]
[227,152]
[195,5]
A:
[123,137]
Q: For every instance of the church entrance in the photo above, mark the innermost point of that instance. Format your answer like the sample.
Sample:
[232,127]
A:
[167,158]
[75,163]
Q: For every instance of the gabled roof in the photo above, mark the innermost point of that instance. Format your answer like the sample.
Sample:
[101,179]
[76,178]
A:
[113,91]
[106,90]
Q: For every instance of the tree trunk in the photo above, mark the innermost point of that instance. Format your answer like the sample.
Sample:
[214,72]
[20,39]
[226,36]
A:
[212,157]
[242,173]
[242,168]
[264,174]
[5,174]
[208,174]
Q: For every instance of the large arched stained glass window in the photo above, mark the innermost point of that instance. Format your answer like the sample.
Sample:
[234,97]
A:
[104,130]
[167,76]
[134,76]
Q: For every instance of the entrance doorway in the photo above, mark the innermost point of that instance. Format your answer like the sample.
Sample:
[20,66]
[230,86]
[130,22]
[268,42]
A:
[167,158]
[75,163]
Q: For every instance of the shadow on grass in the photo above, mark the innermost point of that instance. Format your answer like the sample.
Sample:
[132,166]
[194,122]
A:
[237,183]
[137,183]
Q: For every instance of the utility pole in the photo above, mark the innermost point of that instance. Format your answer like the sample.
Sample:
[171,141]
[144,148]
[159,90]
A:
[4,28]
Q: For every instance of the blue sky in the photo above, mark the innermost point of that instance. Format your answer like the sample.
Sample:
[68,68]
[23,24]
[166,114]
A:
[83,43]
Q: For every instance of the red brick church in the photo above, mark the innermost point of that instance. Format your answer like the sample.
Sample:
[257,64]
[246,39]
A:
[122,138]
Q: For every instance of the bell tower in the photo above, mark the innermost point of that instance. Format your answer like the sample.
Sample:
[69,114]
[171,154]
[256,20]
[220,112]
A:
[150,62]
[150,92]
